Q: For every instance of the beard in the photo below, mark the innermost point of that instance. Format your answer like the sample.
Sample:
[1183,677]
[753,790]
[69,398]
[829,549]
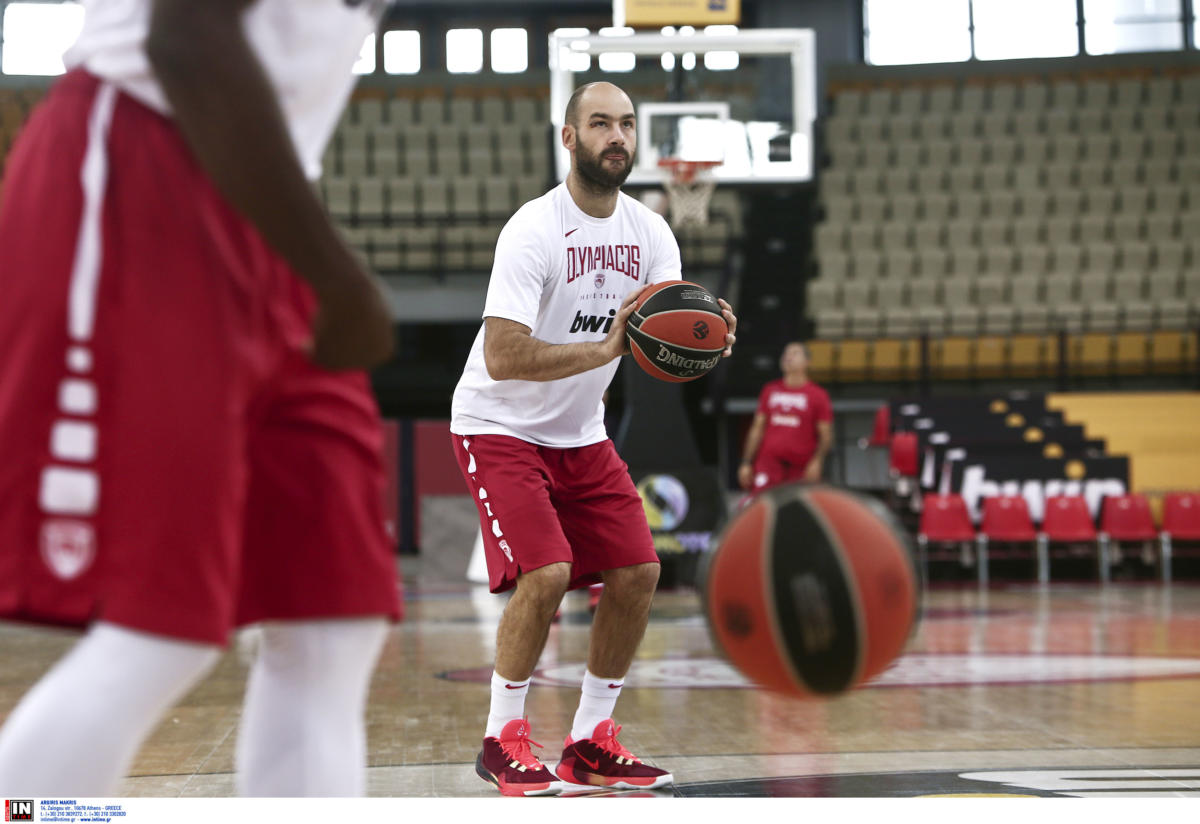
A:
[592,170]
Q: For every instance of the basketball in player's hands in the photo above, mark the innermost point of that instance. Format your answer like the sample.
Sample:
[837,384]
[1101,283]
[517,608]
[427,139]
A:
[811,590]
[677,332]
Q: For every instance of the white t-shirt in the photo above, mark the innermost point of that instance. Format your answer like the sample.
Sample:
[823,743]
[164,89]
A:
[307,48]
[563,274]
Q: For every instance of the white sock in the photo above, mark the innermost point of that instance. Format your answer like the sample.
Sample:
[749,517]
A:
[76,732]
[303,729]
[508,703]
[596,703]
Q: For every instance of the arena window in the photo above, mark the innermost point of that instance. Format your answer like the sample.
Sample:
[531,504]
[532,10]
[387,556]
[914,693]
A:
[402,51]
[1003,29]
[1113,26]
[37,34]
[510,51]
[944,31]
[464,51]
[936,31]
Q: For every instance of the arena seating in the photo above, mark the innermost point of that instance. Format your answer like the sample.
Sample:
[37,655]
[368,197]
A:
[993,213]
[1095,473]
[424,184]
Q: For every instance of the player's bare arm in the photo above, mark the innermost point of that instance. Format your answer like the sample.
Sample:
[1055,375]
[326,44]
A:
[731,319]
[753,441]
[512,353]
[227,110]
[812,472]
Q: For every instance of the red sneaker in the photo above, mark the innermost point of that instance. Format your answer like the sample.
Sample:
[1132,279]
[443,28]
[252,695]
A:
[601,761]
[510,764]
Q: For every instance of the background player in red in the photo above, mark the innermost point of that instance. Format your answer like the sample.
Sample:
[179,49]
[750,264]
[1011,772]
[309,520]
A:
[792,429]
[179,457]
[556,503]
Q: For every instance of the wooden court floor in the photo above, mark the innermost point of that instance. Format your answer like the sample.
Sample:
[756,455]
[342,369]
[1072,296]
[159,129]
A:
[1073,690]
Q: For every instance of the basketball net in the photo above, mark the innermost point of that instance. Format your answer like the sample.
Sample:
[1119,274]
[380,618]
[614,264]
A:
[690,186]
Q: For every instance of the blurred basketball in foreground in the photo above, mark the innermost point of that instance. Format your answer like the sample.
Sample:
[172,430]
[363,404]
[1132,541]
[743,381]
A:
[811,590]
[677,331]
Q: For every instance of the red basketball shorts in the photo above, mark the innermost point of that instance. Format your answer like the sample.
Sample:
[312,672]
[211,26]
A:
[170,460]
[539,506]
[771,470]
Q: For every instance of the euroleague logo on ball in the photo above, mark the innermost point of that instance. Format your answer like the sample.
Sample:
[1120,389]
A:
[700,330]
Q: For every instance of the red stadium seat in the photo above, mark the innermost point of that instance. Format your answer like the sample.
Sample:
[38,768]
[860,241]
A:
[881,433]
[1005,518]
[1126,518]
[904,454]
[1181,522]
[1067,521]
[944,520]
[1181,515]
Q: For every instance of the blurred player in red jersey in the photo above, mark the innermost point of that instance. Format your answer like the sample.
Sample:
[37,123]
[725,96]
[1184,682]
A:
[792,429]
[190,443]
[557,507]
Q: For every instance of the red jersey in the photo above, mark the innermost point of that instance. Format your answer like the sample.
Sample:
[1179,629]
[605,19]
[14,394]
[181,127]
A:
[792,414]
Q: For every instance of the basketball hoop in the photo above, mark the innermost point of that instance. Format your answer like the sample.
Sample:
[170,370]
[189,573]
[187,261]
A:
[689,185]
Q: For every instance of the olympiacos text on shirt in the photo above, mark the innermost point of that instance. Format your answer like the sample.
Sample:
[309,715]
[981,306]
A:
[622,257]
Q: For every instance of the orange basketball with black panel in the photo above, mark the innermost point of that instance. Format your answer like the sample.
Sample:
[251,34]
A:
[677,332]
[812,590]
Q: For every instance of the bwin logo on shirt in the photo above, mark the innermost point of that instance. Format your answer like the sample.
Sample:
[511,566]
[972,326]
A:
[592,323]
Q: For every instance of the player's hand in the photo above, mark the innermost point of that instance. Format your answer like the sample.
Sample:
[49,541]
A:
[353,329]
[812,472]
[730,319]
[615,344]
[746,476]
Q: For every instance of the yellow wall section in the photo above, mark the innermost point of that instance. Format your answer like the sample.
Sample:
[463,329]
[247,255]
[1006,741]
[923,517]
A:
[1159,431]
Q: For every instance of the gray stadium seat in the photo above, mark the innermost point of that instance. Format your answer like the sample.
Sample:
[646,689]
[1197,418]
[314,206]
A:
[435,197]
[1169,255]
[1067,259]
[932,263]
[431,111]
[963,320]
[1058,288]
[834,265]
[466,197]
[338,197]
[402,198]
[368,199]
[1025,290]
[932,319]
[400,112]
[998,320]
[868,265]
[1035,260]
[1135,257]
[368,112]
[823,293]
[1101,257]
[902,264]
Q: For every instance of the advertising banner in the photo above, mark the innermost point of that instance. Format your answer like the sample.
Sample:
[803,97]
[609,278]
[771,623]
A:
[653,13]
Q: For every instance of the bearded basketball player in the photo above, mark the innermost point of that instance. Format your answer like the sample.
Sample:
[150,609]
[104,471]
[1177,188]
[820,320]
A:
[557,507]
